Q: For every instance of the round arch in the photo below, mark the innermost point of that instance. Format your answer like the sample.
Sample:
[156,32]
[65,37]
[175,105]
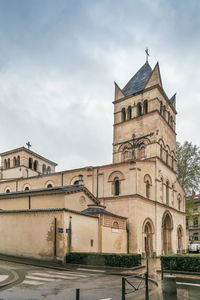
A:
[148,231]
[167,227]
[49,183]
[116,174]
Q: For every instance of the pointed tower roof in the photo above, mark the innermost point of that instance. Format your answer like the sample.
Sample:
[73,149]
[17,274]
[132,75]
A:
[173,99]
[138,81]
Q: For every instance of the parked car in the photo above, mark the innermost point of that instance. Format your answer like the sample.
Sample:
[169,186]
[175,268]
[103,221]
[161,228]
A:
[194,247]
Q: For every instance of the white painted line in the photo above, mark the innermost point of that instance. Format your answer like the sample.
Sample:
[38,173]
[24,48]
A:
[41,279]
[91,270]
[32,282]
[3,277]
[106,299]
[187,283]
[69,273]
[52,275]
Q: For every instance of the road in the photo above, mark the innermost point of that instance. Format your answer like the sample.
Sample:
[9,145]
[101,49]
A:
[44,283]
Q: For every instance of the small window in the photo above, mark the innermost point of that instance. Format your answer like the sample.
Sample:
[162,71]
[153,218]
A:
[49,186]
[18,160]
[123,114]
[187,223]
[196,222]
[147,189]
[115,225]
[161,107]
[145,107]
[8,191]
[139,109]
[161,151]
[167,192]
[91,243]
[129,115]
[8,163]
[14,162]
[76,182]
[116,186]
[35,165]
[142,152]
[5,164]
[196,236]
[26,188]
[167,157]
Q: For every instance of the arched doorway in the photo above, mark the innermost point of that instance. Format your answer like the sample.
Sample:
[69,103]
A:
[167,227]
[148,231]
[180,239]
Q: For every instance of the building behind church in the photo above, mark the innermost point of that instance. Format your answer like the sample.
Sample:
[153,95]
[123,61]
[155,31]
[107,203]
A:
[133,205]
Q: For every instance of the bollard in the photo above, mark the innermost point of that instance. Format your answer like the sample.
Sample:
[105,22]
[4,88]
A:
[162,268]
[77,294]
[169,286]
[123,288]
[146,286]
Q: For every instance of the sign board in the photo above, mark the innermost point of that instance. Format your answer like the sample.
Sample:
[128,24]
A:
[68,230]
[60,230]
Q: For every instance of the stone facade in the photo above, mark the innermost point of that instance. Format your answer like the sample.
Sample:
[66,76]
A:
[139,188]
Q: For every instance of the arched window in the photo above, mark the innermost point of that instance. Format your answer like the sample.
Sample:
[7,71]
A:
[115,225]
[139,109]
[44,168]
[30,163]
[18,160]
[161,152]
[35,165]
[167,192]
[14,162]
[116,186]
[8,191]
[142,152]
[171,121]
[164,111]
[48,170]
[8,163]
[5,164]
[129,114]
[179,202]
[123,114]
[161,107]
[168,117]
[26,188]
[145,107]
[49,186]
[147,189]
[76,182]
[167,157]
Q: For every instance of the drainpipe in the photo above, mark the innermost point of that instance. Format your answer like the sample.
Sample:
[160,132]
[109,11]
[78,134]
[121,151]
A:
[55,231]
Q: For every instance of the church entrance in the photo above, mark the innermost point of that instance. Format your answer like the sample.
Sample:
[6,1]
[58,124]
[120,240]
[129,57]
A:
[167,227]
[148,237]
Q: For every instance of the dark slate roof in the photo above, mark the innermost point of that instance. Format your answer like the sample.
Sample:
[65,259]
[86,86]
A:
[138,81]
[58,189]
[98,210]
[173,98]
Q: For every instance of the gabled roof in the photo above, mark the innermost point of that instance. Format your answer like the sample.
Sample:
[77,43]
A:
[138,81]
[99,210]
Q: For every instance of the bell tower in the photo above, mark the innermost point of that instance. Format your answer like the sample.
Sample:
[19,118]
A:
[144,119]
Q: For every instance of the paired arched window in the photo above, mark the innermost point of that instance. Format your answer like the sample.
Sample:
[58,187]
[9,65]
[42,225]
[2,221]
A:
[30,163]
[116,186]
[48,170]
[129,113]
[35,165]
[14,162]
[139,109]
[145,107]
[18,160]
[167,192]
[44,168]
[123,114]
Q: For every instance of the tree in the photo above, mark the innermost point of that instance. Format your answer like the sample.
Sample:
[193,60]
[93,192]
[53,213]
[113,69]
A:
[188,167]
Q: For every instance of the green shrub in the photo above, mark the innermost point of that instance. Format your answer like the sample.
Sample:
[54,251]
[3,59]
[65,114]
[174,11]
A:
[186,263]
[100,259]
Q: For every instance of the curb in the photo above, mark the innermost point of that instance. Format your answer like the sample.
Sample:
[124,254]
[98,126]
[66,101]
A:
[12,277]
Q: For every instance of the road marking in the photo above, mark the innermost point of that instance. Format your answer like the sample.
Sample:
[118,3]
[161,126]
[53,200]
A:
[52,275]
[42,279]
[32,282]
[3,277]
[106,299]
[70,273]
[187,283]
[91,270]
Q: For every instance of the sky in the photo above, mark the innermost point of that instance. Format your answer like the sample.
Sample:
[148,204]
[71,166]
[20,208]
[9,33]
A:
[59,60]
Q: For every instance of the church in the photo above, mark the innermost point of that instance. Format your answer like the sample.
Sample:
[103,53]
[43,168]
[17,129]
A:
[133,205]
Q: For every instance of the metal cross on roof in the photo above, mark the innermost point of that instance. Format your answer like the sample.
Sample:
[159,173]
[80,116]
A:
[28,145]
[147,54]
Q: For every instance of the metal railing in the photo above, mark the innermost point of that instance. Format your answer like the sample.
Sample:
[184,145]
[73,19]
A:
[141,283]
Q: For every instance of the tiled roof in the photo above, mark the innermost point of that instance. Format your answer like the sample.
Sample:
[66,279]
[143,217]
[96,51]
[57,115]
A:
[96,210]
[138,81]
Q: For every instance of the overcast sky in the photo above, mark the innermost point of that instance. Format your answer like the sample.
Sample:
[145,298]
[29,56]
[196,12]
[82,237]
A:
[59,59]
